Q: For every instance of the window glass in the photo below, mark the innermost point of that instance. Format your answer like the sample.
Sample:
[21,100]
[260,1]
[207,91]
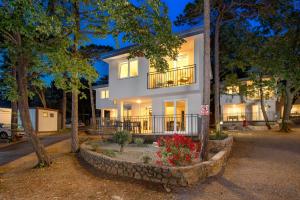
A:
[182,61]
[123,70]
[133,68]
[106,94]
[103,95]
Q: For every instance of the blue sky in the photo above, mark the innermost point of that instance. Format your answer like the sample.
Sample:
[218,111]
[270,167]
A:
[175,8]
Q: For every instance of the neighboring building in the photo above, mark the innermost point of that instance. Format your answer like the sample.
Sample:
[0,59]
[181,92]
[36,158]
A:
[236,107]
[42,119]
[142,100]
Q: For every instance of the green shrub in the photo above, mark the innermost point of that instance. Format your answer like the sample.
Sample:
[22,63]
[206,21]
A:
[122,138]
[109,152]
[139,141]
[146,159]
[218,136]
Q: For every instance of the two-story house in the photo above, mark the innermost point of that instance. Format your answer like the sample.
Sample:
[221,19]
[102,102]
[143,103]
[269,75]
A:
[237,107]
[142,100]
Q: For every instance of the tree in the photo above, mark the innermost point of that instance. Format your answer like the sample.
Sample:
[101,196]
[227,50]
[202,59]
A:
[278,39]
[93,52]
[8,89]
[206,82]
[27,33]
[145,24]
[222,12]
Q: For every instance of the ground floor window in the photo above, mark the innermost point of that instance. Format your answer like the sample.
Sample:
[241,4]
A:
[234,112]
[175,112]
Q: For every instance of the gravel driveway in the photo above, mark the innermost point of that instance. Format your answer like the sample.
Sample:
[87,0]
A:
[262,166]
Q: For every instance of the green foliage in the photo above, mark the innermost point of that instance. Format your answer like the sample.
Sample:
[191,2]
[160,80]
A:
[218,136]
[122,138]
[139,141]
[146,159]
[145,24]
[109,153]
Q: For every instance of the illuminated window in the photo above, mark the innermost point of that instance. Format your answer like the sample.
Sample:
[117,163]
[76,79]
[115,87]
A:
[180,62]
[128,69]
[45,114]
[104,94]
[232,90]
[133,68]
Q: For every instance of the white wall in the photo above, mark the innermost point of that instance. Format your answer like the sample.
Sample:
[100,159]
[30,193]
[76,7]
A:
[5,115]
[48,122]
[137,86]
[193,102]
[103,103]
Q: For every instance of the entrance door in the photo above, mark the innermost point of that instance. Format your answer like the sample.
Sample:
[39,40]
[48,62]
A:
[175,112]
[106,114]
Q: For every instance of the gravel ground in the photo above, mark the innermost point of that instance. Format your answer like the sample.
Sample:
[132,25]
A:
[262,166]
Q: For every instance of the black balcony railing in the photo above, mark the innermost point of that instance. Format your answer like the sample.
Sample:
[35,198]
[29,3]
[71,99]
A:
[155,124]
[173,77]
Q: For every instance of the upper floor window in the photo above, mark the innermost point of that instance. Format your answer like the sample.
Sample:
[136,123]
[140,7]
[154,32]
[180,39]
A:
[104,94]
[232,89]
[128,68]
[181,61]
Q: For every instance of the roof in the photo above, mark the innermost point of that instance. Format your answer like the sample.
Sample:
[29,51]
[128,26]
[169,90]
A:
[182,34]
[100,86]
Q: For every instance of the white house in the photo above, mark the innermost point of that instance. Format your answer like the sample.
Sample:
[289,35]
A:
[145,101]
[236,107]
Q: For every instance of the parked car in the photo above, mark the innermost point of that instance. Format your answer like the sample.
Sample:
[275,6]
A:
[5,132]
[69,124]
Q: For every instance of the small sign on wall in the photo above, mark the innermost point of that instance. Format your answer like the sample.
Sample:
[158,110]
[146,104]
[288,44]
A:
[204,110]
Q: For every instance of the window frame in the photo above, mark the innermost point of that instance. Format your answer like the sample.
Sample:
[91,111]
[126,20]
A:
[106,94]
[128,68]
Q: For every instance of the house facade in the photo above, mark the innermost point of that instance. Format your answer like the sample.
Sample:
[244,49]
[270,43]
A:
[236,107]
[142,100]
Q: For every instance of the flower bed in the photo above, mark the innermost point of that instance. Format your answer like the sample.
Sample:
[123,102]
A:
[173,175]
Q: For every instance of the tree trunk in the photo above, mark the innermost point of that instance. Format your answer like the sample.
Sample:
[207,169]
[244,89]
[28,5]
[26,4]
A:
[262,103]
[64,110]
[43,158]
[217,77]
[43,98]
[93,122]
[74,132]
[286,110]
[206,89]
[14,112]
[41,95]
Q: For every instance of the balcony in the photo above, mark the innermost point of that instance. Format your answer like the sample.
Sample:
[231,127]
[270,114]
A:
[172,78]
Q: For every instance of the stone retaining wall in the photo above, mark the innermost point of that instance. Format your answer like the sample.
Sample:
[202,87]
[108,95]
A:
[180,176]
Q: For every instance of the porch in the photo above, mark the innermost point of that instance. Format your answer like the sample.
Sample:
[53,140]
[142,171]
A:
[188,124]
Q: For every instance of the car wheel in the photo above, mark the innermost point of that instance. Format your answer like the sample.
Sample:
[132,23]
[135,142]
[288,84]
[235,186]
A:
[3,135]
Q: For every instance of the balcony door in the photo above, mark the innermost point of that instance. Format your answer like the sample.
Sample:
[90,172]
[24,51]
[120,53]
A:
[175,120]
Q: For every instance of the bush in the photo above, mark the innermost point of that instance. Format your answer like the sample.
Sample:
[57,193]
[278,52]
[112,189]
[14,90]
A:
[177,150]
[109,153]
[146,159]
[139,141]
[122,138]
[218,136]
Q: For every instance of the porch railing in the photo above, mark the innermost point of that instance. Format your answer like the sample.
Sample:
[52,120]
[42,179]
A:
[173,77]
[155,124]
[248,116]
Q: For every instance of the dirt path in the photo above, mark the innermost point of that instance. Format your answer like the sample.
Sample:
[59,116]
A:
[261,167]
[265,166]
